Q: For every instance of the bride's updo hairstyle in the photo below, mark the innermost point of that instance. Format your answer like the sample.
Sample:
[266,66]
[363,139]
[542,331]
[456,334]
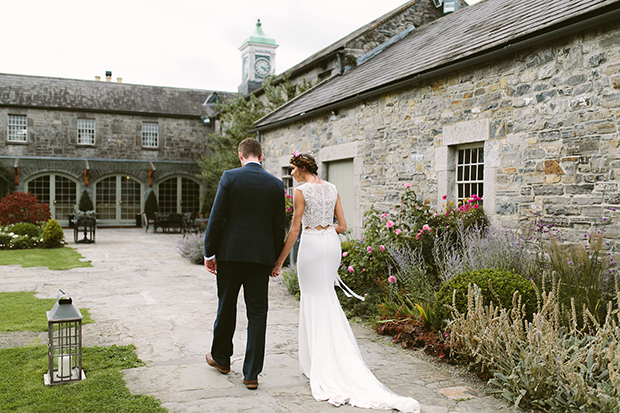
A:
[304,160]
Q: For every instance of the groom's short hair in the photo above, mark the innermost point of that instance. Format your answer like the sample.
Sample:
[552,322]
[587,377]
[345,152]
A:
[250,147]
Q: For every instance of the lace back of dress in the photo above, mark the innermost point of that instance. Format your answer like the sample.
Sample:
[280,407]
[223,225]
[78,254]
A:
[320,200]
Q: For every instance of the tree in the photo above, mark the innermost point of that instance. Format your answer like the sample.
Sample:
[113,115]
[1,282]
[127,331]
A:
[239,116]
[86,204]
[20,207]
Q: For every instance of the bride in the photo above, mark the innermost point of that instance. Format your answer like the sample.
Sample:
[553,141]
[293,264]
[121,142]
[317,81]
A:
[328,352]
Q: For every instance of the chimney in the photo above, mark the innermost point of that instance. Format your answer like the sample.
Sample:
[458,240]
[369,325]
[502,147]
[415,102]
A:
[108,76]
[97,78]
[119,80]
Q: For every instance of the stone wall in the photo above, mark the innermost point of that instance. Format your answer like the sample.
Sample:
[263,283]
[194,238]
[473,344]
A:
[548,118]
[54,133]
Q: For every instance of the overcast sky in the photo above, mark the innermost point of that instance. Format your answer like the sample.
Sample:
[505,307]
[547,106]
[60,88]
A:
[179,43]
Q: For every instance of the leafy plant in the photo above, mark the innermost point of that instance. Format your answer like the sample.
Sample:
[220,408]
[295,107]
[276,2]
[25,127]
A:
[586,274]
[23,207]
[25,228]
[53,235]
[541,364]
[290,281]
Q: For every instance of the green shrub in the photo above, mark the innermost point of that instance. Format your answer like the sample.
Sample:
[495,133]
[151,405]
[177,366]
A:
[25,228]
[290,281]
[86,204]
[22,242]
[503,286]
[5,240]
[53,235]
[150,206]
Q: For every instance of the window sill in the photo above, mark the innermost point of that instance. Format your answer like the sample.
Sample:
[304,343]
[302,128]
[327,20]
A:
[150,148]
[17,142]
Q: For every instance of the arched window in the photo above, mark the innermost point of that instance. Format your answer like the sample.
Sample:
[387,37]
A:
[58,191]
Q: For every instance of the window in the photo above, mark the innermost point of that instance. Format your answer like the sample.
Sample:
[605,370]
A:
[287,180]
[17,128]
[149,134]
[470,172]
[86,131]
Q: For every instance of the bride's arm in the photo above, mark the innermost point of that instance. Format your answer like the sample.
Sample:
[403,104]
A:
[299,204]
[342,224]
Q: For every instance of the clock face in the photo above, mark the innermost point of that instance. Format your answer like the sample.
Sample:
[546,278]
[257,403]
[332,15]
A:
[262,67]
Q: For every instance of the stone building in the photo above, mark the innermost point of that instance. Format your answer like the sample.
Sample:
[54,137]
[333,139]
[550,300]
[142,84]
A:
[515,100]
[118,141]
[358,46]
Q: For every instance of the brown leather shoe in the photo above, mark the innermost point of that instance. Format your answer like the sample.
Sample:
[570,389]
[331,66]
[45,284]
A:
[251,384]
[213,363]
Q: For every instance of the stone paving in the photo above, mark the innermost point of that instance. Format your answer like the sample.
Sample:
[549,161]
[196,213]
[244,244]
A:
[142,291]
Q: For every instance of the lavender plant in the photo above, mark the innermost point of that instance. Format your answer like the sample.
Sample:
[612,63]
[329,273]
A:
[192,247]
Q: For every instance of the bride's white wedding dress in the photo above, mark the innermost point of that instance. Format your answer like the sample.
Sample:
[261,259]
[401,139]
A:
[328,352]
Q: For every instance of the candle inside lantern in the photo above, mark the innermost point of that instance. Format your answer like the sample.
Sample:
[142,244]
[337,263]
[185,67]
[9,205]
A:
[65,371]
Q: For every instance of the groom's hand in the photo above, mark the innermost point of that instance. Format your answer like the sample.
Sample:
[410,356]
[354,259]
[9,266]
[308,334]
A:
[211,265]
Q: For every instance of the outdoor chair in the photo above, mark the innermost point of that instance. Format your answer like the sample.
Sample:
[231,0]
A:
[190,226]
[174,222]
[88,226]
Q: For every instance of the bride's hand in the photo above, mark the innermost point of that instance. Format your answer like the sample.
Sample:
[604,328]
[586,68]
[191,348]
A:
[277,270]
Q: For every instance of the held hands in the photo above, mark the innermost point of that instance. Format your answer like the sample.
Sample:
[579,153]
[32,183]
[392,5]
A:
[277,270]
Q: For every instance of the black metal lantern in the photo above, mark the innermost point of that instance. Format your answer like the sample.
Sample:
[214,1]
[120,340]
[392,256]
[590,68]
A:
[64,349]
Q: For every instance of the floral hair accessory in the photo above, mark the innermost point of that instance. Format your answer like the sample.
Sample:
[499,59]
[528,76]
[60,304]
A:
[296,154]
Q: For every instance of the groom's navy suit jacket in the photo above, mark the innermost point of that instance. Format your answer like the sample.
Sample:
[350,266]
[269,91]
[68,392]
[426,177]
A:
[247,221]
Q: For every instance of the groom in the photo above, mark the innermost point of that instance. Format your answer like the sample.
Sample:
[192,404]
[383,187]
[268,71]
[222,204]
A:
[244,236]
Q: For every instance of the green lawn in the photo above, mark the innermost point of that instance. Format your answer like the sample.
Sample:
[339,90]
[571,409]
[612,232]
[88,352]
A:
[22,311]
[55,258]
[22,387]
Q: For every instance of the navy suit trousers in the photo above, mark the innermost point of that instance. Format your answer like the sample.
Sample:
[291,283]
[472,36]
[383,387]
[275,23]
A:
[255,281]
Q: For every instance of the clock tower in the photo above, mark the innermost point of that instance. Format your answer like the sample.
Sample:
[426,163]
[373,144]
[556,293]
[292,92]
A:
[258,57]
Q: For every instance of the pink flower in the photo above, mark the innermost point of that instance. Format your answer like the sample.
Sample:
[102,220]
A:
[351,269]
[444,197]
[407,185]
[288,209]
[389,224]
[398,231]
[363,269]
[381,248]
[369,249]
[344,254]
[426,227]
[392,279]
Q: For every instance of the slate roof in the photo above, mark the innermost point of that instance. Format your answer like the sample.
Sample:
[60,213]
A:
[471,31]
[101,96]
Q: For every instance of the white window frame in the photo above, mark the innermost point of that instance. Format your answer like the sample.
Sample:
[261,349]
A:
[86,131]
[456,136]
[17,128]
[150,134]
[469,168]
